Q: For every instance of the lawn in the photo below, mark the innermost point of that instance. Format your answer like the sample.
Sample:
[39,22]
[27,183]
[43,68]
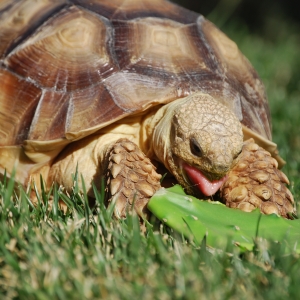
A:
[86,254]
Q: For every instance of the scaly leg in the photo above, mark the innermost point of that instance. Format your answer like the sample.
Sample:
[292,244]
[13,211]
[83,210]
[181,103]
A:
[131,179]
[255,182]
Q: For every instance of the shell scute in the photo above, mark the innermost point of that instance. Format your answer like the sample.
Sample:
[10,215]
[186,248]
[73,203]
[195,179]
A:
[69,52]
[132,9]
[158,45]
[18,102]
[19,20]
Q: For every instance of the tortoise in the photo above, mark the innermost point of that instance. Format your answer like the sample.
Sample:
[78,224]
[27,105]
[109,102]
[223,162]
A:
[118,88]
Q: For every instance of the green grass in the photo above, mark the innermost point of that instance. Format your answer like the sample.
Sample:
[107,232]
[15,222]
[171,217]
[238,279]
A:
[86,254]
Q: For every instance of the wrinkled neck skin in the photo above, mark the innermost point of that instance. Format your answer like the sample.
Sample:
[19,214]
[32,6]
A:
[198,140]
[161,139]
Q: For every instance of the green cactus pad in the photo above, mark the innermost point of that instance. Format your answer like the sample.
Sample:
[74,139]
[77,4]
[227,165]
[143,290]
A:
[196,218]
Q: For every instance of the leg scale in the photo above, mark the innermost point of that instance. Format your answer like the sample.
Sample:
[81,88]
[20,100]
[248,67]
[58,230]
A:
[255,182]
[131,178]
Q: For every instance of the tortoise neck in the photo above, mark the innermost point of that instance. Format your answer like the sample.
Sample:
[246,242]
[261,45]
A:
[161,131]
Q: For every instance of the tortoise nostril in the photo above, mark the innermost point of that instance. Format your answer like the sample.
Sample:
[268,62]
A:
[195,147]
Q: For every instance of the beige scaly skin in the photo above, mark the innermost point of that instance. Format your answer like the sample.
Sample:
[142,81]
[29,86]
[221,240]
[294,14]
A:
[255,182]
[204,134]
[131,178]
[198,140]
[195,135]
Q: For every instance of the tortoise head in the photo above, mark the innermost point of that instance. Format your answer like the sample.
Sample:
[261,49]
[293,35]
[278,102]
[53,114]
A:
[205,139]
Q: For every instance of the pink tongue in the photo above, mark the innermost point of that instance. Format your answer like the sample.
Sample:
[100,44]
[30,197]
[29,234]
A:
[206,187]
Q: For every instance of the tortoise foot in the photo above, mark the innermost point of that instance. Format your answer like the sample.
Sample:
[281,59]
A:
[255,182]
[131,178]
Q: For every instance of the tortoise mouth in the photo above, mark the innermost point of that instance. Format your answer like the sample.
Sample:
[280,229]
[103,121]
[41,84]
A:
[198,181]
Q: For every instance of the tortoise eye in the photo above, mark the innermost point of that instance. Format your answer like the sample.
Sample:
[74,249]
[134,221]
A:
[195,148]
[237,155]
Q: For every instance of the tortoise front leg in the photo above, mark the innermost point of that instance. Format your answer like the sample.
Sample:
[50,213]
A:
[255,182]
[131,178]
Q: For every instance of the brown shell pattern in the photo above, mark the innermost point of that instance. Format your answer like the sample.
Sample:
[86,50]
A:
[75,66]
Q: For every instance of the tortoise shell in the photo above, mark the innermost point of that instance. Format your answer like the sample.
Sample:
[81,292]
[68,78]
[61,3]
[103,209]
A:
[69,68]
